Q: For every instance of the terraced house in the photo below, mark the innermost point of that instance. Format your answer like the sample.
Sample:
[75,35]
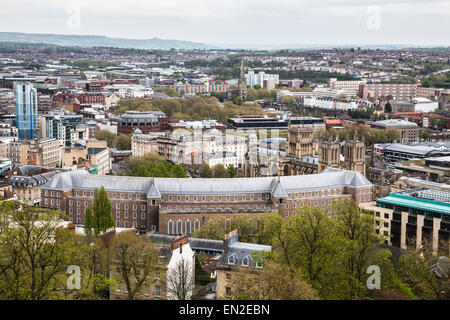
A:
[180,205]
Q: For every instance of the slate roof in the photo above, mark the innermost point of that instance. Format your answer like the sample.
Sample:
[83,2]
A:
[239,252]
[154,187]
[194,243]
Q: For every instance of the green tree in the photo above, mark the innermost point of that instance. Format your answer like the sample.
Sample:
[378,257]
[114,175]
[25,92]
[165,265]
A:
[238,100]
[219,171]
[135,260]
[274,282]
[35,253]
[289,100]
[106,135]
[425,135]
[177,171]
[250,228]
[206,172]
[123,142]
[231,170]
[99,218]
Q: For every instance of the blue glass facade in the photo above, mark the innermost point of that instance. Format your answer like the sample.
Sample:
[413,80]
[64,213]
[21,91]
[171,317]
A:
[26,111]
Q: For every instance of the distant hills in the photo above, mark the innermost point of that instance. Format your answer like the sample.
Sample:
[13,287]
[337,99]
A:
[167,44]
[99,41]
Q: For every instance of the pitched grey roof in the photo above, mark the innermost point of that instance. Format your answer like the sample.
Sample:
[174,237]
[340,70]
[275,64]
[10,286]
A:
[154,187]
[277,189]
[240,251]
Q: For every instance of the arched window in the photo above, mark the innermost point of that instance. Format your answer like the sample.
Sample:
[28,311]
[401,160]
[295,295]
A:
[179,227]
[188,226]
[170,227]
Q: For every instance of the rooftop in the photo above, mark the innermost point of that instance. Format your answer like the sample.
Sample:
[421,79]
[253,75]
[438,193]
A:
[416,203]
[156,186]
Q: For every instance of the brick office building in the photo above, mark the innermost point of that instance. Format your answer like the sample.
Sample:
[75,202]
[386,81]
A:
[179,206]
[146,122]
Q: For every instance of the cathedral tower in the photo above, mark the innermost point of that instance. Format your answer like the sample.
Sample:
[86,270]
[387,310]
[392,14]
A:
[354,154]
[329,154]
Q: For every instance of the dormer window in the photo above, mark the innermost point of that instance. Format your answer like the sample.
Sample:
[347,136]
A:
[231,261]
[245,263]
[259,265]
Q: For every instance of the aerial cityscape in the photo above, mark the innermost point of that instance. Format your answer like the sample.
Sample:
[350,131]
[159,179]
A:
[161,165]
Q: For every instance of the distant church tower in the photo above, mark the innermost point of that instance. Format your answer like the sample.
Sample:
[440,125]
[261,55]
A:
[354,154]
[241,89]
[329,154]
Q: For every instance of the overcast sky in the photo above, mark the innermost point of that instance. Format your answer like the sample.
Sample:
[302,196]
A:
[419,22]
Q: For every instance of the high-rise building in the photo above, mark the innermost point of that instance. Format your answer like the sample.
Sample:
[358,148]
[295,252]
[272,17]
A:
[26,111]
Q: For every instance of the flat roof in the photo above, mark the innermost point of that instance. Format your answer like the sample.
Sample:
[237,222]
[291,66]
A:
[416,203]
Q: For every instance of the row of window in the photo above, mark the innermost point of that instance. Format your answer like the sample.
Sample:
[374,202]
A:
[219,198]
[118,205]
[156,292]
[179,226]
[212,208]
[309,203]
[309,194]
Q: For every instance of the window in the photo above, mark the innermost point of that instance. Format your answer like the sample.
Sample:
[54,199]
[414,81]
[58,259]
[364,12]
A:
[188,226]
[196,224]
[70,202]
[125,206]
[143,207]
[231,261]
[245,263]
[135,224]
[126,224]
[118,287]
[259,265]
[85,203]
[78,211]
[134,215]
[179,227]
[386,215]
[153,202]
[125,214]
[157,275]
[147,289]
[118,214]
[143,215]
[170,227]
[117,205]
[228,291]
[157,291]
[228,276]
[117,223]
[134,206]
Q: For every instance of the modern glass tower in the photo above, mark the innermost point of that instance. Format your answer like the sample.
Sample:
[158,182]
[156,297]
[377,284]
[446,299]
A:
[26,111]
